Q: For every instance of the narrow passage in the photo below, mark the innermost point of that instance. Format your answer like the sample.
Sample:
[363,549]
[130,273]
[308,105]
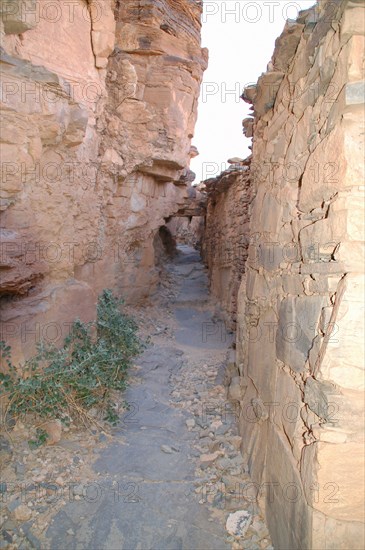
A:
[168,478]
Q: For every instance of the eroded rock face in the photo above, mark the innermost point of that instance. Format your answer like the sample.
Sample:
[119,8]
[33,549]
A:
[188,230]
[99,104]
[300,303]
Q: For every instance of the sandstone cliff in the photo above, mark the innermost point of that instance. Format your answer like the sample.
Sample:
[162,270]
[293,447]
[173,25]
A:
[99,102]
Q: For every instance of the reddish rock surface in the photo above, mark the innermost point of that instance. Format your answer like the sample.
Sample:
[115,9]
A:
[99,105]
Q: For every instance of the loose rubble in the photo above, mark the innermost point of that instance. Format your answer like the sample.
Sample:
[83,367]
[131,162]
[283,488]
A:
[38,482]
[222,481]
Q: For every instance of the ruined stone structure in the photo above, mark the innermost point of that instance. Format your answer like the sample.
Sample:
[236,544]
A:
[99,102]
[300,314]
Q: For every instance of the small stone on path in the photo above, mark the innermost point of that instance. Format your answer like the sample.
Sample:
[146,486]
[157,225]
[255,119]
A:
[238,523]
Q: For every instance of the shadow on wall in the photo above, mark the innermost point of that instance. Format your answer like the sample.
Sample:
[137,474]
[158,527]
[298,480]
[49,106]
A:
[164,245]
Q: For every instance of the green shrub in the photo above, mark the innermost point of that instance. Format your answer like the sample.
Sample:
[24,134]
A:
[65,383]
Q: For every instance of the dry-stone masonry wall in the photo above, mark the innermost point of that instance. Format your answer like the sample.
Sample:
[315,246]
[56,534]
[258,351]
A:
[300,319]
[225,242]
[99,102]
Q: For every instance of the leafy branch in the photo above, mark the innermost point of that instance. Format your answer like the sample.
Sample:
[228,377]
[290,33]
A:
[65,383]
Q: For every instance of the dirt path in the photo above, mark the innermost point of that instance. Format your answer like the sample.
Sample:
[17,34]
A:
[146,476]
[171,473]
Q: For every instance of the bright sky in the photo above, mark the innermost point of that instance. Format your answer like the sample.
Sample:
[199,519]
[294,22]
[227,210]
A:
[240,36]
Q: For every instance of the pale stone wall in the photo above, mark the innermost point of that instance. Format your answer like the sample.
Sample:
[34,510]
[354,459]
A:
[300,333]
[225,241]
[301,304]
[99,102]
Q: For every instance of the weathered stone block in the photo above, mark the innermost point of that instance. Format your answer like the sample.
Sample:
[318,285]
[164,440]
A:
[267,89]
[249,93]
[261,350]
[353,22]
[257,287]
[298,321]
[19,15]
[318,395]
[356,54]
[101,62]
[322,268]
[286,45]
[355,93]
[344,360]
[352,255]
[350,209]
[325,172]
[287,511]
[319,241]
[285,410]
[236,389]
[270,215]
[269,255]
[336,534]
[255,435]
[247,124]
[103,43]
[102,17]
[340,490]
[292,285]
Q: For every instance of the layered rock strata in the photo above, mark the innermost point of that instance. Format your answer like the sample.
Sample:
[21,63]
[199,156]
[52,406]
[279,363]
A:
[99,104]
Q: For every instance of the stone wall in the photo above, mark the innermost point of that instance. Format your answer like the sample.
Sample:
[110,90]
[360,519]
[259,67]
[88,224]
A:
[99,102]
[300,321]
[188,224]
[225,242]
